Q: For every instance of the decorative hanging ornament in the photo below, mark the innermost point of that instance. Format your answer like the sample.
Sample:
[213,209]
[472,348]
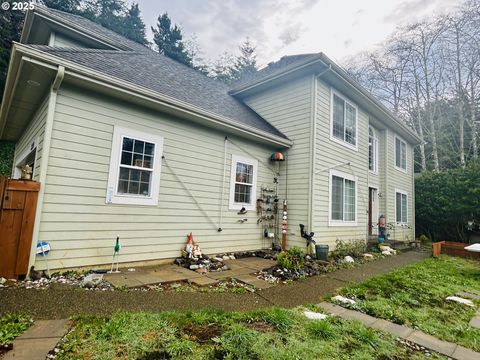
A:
[277,156]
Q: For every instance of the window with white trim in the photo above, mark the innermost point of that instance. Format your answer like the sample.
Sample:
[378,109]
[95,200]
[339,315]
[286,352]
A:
[343,198]
[372,150]
[243,183]
[401,209]
[134,176]
[400,154]
[344,121]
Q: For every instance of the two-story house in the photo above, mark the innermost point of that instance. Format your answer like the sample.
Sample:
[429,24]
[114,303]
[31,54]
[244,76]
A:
[127,142]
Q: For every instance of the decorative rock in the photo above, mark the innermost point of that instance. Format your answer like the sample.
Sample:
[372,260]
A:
[367,256]
[314,315]
[232,257]
[460,300]
[226,257]
[2,280]
[219,259]
[194,267]
[343,300]
[348,259]
[387,253]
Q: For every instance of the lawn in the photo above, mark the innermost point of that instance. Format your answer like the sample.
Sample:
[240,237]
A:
[11,326]
[415,296]
[267,334]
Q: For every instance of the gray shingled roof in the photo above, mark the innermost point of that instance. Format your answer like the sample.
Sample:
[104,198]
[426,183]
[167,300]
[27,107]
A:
[165,76]
[275,67]
[146,68]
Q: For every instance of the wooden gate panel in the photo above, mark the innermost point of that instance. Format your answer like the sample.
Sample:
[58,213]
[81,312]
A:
[17,216]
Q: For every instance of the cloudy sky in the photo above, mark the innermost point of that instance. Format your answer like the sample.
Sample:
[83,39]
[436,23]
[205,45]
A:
[339,28]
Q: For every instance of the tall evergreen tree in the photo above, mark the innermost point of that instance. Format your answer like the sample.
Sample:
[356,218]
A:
[133,25]
[245,65]
[169,40]
[70,6]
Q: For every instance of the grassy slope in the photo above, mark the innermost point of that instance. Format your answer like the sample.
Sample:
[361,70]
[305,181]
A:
[415,296]
[268,334]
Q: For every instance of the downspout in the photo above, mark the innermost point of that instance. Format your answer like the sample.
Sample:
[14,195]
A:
[387,156]
[412,200]
[313,147]
[52,100]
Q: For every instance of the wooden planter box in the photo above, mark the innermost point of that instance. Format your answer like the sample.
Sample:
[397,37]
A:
[454,249]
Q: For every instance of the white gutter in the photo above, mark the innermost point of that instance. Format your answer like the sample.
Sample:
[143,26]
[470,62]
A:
[152,96]
[47,139]
[8,92]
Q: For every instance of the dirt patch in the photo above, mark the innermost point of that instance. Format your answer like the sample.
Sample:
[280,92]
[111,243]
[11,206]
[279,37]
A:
[5,348]
[261,326]
[202,333]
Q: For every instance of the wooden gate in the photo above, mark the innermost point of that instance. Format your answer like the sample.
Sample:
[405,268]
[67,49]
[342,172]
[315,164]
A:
[18,204]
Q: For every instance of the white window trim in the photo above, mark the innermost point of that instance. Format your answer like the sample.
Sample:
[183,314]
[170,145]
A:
[375,150]
[112,196]
[348,177]
[332,137]
[232,204]
[403,193]
[395,154]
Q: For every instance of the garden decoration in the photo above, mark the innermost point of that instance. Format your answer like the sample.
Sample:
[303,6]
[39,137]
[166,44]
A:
[381,228]
[309,238]
[43,248]
[116,253]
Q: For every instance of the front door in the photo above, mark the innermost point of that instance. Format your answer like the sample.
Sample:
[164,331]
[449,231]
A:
[372,211]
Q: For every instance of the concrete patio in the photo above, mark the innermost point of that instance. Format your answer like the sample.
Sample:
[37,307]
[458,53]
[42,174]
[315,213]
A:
[239,269]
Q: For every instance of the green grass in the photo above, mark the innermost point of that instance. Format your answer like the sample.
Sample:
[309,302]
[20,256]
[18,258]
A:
[415,296]
[13,325]
[263,334]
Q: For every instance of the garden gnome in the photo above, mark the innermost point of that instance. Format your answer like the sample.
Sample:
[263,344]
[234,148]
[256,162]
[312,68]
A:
[381,229]
[26,172]
[189,246]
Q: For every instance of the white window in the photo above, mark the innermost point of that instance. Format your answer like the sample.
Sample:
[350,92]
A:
[400,154]
[372,150]
[343,198]
[343,121]
[401,203]
[135,164]
[243,183]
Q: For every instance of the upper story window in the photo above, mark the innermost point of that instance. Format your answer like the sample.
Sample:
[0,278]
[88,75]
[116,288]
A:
[344,121]
[134,176]
[243,183]
[372,150]
[343,198]
[401,209]
[400,154]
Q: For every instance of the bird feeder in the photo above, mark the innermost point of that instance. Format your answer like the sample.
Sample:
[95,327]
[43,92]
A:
[277,156]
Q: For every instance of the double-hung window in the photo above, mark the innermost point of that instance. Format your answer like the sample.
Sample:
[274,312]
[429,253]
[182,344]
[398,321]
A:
[343,198]
[344,121]
[135,163]
[372,150]
[400,154]
[401,203]
[243,183]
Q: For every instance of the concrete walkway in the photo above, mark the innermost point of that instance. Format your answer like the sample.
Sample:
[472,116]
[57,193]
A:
[240,269]
[418,337]
[38,340]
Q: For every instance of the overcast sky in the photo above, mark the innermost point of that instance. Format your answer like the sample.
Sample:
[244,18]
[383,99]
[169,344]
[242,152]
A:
[339,28]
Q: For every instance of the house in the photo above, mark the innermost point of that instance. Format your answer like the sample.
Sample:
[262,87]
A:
[127,142]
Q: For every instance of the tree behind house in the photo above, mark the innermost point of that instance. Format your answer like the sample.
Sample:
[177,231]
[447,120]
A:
[168,39]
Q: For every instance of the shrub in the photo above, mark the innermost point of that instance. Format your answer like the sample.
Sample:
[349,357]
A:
[424,239]
[291,259]
[354,248]
[13,325]
[6,157]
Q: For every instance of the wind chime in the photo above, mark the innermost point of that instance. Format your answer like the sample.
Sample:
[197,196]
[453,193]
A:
[116,254]
[284,226]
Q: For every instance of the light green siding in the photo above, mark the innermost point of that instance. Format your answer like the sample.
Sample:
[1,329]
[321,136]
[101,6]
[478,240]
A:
[400,180]
[60,40]
[33,133]
[289,109]
[332,155]
[81,227]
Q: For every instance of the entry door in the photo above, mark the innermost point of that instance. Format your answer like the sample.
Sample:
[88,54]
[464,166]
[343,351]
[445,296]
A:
[372,211]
